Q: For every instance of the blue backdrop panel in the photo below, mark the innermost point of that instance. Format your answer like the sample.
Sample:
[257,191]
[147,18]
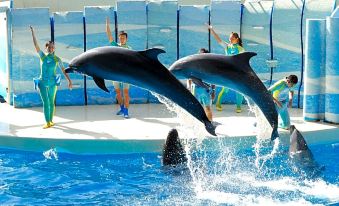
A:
[96,25]
[193,34]
[69,42]
[225,18]
[332,70]
[25,60]
[286,36]
[256,36]
[162,31]
[131,17]
[95,37]
[335,13]
[3,52]
[315,60]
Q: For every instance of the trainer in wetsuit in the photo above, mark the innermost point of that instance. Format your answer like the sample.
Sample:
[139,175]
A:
[280,91]
[49,80]
[232,48]
[204,92]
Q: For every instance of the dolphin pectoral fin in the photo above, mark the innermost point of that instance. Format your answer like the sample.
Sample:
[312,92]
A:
[100,83]
[152,53]
[210,128]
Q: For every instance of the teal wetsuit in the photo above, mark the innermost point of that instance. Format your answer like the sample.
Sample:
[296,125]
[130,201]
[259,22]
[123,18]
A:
[280,92]
[48,83]
[230,50]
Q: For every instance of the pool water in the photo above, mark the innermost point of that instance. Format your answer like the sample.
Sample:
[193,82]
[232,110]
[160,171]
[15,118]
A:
[227,175]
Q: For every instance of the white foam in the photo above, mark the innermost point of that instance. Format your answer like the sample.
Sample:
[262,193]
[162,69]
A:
[244,200]
[51,154]
[321,189]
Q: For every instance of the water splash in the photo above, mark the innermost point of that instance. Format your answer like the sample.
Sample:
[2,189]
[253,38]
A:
[262,158]
[51,154]
[264,129]
[189,126]
[192,134]
[144,164]
[244,179]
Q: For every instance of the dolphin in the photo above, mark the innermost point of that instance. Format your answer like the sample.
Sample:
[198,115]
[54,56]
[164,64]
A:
[301,155]
[230,71]
[2,99]
[140,68]
[298,146]
[173,152]
[298,143]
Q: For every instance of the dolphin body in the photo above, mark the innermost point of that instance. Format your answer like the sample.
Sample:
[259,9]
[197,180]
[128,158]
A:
[173,152]
[301,155]
[230,71]
[140,68]
[298,144]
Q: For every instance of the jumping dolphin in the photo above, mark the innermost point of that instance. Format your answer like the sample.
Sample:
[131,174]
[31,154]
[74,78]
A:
[173,152]
[140,68]
[301,155]
[230,71]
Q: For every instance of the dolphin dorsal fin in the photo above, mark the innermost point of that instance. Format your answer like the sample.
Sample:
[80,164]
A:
[245,57]
[152,53]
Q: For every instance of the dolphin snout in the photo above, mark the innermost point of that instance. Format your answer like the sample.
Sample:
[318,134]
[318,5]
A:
[70,69]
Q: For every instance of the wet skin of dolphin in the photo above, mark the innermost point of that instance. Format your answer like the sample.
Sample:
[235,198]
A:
[233,72]
[140,68]
[173,152]
[301,155]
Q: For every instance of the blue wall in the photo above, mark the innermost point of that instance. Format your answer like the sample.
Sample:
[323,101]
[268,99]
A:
[256,36]
[332,70]
[180,31]
[3,52]
[25,60]
[69,38]
[193,33]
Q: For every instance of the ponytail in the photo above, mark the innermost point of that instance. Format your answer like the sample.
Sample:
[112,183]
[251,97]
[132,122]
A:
[236,35]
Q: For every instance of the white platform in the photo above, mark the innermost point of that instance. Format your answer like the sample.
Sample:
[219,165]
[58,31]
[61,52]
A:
[96,129]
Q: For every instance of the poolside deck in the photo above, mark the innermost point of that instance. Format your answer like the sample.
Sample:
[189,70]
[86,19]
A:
[96,129]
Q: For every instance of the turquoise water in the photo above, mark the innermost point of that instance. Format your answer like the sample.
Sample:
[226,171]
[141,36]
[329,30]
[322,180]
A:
[226,176]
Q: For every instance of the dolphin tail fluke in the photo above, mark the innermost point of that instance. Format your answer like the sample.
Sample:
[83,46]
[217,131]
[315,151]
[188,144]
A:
[210,128]
[100,83]
[275,134]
